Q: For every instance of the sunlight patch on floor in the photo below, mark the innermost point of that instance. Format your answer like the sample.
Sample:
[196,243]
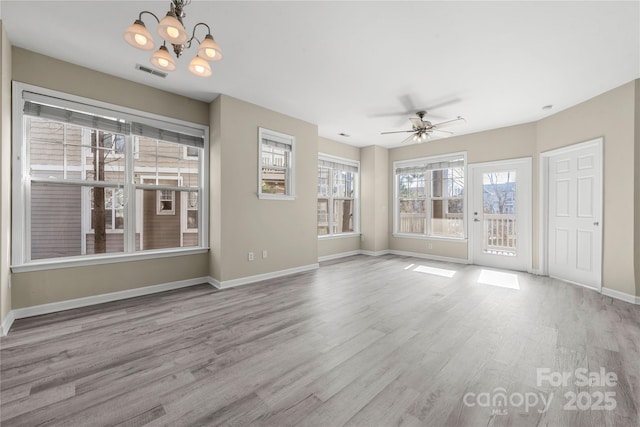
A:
[435,271]
[497,278]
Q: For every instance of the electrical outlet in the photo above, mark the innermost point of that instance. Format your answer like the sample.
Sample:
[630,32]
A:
[251,257]
[429,246]
[264,253]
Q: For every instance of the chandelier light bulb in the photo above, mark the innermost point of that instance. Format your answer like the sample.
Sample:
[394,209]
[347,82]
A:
[138,36]
[200,67]
[171,30]
[163,59]
[141,40]
[209,50]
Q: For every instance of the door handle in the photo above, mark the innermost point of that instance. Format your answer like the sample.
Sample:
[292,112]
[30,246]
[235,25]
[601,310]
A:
[596,223]
[476,220]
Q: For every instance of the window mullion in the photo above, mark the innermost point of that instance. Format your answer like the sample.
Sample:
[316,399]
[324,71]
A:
[129,197]
[330,202]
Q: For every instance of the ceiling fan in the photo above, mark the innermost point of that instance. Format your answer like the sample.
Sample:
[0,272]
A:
[422,129]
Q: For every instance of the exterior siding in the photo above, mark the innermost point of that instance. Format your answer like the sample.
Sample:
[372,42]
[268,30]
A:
[190,239]
[160,231]
[56,219]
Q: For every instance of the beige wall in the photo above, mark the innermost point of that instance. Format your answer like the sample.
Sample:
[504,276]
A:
[611,116]
[335,148]
[498,144]
[339,245]
[5,173]
[285,228]
[46,286]
[215,188]
[375,172]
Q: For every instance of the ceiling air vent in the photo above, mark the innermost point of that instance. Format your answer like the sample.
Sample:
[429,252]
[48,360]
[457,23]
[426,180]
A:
[151,71]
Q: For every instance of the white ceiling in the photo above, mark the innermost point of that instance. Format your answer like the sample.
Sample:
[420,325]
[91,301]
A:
[362,67]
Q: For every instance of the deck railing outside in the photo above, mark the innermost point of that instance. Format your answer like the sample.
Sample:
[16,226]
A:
[499,229]
[451,224]
[500,233]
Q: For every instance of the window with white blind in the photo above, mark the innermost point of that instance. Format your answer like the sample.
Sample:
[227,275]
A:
[94,180]
[275,165]
[429,196]
[337,196]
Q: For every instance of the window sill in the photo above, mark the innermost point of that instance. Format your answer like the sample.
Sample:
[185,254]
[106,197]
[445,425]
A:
[275,197]
[338,236]
[90,260]
[429,237]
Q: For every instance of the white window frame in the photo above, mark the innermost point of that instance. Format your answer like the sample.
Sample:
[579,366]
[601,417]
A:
[289,171]
[21,186]
[331,198]
[396,201]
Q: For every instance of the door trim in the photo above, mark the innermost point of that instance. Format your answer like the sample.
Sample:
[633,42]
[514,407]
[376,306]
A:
[527,214]
[543,193]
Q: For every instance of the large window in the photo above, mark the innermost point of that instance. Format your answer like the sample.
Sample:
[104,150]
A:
[429,196]
[276,165]
[92,180]
[337,195]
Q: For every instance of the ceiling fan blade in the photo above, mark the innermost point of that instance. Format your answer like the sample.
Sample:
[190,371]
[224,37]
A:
[439,130]
[459,118]
[417,122]
[397,131]
[407,139]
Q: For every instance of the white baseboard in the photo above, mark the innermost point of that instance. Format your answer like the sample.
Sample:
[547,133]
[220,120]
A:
[6,324]
[394,252]
[375,253]
[431,257]
[53,307]
[259,277]
[337,256]
[621,295]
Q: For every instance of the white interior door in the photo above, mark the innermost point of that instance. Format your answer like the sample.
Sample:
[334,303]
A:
[574,178]
[500,216]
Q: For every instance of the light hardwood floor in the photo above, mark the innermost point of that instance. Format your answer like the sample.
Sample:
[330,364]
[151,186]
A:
[360,341]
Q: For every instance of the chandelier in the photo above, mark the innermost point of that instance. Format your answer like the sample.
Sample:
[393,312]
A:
[172,31]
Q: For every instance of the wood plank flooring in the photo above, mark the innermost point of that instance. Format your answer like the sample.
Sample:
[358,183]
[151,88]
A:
[362,341]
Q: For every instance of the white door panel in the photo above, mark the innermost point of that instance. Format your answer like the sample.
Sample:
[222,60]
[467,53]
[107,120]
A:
[574,214]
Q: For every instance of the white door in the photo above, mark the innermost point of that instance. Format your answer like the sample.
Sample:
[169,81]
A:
[574,182]
[500,215]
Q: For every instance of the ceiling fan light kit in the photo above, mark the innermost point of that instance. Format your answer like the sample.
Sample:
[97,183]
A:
[423,129]
[171,29]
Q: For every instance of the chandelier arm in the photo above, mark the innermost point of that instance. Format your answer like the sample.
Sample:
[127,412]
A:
[193,36]
[149,13]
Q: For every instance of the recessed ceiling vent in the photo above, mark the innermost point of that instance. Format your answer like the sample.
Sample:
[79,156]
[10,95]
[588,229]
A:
[151,71]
